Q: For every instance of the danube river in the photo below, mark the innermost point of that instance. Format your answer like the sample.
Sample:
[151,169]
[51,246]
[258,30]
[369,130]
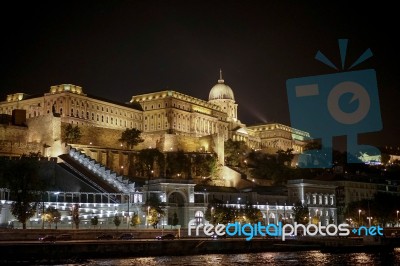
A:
[266,258]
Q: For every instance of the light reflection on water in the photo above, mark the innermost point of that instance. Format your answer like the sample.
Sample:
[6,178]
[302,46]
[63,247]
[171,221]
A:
[267,258]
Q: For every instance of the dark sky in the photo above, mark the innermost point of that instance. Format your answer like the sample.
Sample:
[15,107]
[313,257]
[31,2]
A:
[116,49]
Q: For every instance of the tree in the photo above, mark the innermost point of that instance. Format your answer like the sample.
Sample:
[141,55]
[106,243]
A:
[135,219]
[75,215]
[94,221]
[273,167]
[131,137]
[383,208]
[206,165]
[300,213]
[154,209]
[253,215]
[235,152]
[175,220]
[178,164]
[385,158]
[117,221]
[285,157]
[21,177]
[72,134]
[147,160]
[217,213]
[51,215]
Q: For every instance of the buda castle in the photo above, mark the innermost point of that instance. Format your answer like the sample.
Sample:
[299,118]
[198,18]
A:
[169,120]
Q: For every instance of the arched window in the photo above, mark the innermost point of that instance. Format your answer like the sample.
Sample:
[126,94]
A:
[199,215]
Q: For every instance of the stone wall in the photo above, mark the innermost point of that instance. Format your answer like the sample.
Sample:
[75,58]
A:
[231,177]
[14,141]
[46,130]
[97,136]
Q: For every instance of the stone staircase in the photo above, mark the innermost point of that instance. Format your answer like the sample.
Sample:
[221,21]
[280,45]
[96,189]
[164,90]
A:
[105,174]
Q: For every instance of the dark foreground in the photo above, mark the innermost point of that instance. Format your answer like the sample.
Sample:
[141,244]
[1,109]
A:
[73,252]
[298,258]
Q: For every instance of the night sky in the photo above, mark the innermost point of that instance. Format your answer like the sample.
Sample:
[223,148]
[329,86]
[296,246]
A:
[116,49]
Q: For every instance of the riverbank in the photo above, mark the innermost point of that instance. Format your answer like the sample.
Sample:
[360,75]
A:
[73,251]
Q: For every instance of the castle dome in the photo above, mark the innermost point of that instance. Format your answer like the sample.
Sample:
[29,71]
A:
[221,90]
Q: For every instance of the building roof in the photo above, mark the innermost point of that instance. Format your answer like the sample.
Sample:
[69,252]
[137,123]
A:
[221,91]
[267,190]
[133,105]
[205,188]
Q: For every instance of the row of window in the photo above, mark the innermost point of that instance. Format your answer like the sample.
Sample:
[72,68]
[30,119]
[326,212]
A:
[320,199]
[76,103]
[155,106]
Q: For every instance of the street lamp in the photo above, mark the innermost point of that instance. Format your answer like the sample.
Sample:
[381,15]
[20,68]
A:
[369,221]
[56,193]
[359,217]
[397,220]
[148,214]
[42,212]
[129,202]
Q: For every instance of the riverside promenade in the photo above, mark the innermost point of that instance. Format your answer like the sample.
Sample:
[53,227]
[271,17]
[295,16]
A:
[81,248]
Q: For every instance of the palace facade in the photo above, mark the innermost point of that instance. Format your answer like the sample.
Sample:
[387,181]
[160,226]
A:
[157,115]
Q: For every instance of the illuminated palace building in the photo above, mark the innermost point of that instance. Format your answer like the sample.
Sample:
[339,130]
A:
[169,121]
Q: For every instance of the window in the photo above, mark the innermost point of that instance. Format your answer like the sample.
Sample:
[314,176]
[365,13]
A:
[92,116]
[199,217]
[97,117]
[102,118]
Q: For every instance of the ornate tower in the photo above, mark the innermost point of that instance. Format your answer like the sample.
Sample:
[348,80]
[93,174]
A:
[222,95]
